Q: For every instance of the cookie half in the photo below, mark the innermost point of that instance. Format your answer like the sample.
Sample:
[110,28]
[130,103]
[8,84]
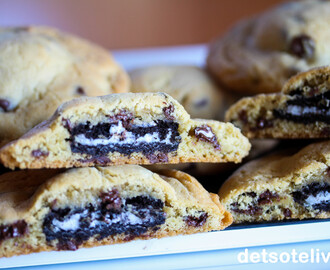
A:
[130,128]
[43,210]
[281,186]
[190,86]
[261,53]
[301,110]
[41,67]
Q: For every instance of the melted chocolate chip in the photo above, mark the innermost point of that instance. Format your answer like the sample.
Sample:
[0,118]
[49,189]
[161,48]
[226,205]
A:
[157,158]
[80,90]
[39,153]
[287,212]
[205,133]
[302,46]
[263,123]
[67,245]
[267,197]
[4,104]
[102,160]
[196,221]
[17,229]
[111,200]
[243,116]
[125,116]
[251,210]
[168,112]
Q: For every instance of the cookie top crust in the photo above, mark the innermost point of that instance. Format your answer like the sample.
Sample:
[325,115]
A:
[259,54]
[279,170]
[41,67]
[191,86]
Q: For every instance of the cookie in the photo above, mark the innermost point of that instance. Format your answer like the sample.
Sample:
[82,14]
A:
[44,210]
[40,68]
[128,128]
[259,54]
[301,110]
[281,186]
[190,86]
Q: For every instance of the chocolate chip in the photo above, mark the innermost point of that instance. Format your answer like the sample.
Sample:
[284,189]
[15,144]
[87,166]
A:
[124,116]
[168,112]
[98,160]
[196,221]
[4,104]
[80,90]
[263,123]
[287,212]
[111,200]
[39,153]
[267,197]
[157,158]
[242,115]
[17,229]
[202,103]
[251,210]
[205,133]
[68,245]
[302,46]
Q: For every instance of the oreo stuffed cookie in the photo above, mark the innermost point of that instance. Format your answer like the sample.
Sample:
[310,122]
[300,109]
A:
[40,68]
[260,54]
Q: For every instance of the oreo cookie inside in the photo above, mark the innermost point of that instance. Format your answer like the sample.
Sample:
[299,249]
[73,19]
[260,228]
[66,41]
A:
[122,135]
[112,215]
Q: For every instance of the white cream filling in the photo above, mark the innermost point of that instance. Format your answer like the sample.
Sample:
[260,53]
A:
[70,224]
[320,197]
[208,133]
[299,110]
[129,137]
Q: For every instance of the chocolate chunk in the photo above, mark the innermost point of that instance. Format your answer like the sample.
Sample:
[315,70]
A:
[287,212]
[242,116]
[16,229]
[267,197]
[168,112]
[202,103]
[102,161]
[205,133]
[4,104]
[111,200]
[80,90]
[97,220]
[302,46]
[196,221]
[39,153]
[250,194]
[157,158]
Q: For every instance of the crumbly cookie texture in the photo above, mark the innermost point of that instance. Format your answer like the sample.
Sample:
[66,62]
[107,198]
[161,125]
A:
[44,210]
[190,86]
[281,186]
[259,54]
[128,128]
[40,68]
[301,110]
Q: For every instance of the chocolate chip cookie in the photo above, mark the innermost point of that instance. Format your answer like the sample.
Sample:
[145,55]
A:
[128,128]
[190,86]
[259,54]
[281,186]
[301,110]
[40,68]
[44,210]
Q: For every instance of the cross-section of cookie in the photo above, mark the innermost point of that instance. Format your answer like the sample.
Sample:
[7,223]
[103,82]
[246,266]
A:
[43,210]
[281,186]
[130,128]
[301,110]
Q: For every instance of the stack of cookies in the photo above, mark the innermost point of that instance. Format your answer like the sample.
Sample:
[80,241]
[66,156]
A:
[46,204]
[258,56]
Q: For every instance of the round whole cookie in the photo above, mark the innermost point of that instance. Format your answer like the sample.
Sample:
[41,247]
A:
[189,85]
[259,54]
[40,68]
